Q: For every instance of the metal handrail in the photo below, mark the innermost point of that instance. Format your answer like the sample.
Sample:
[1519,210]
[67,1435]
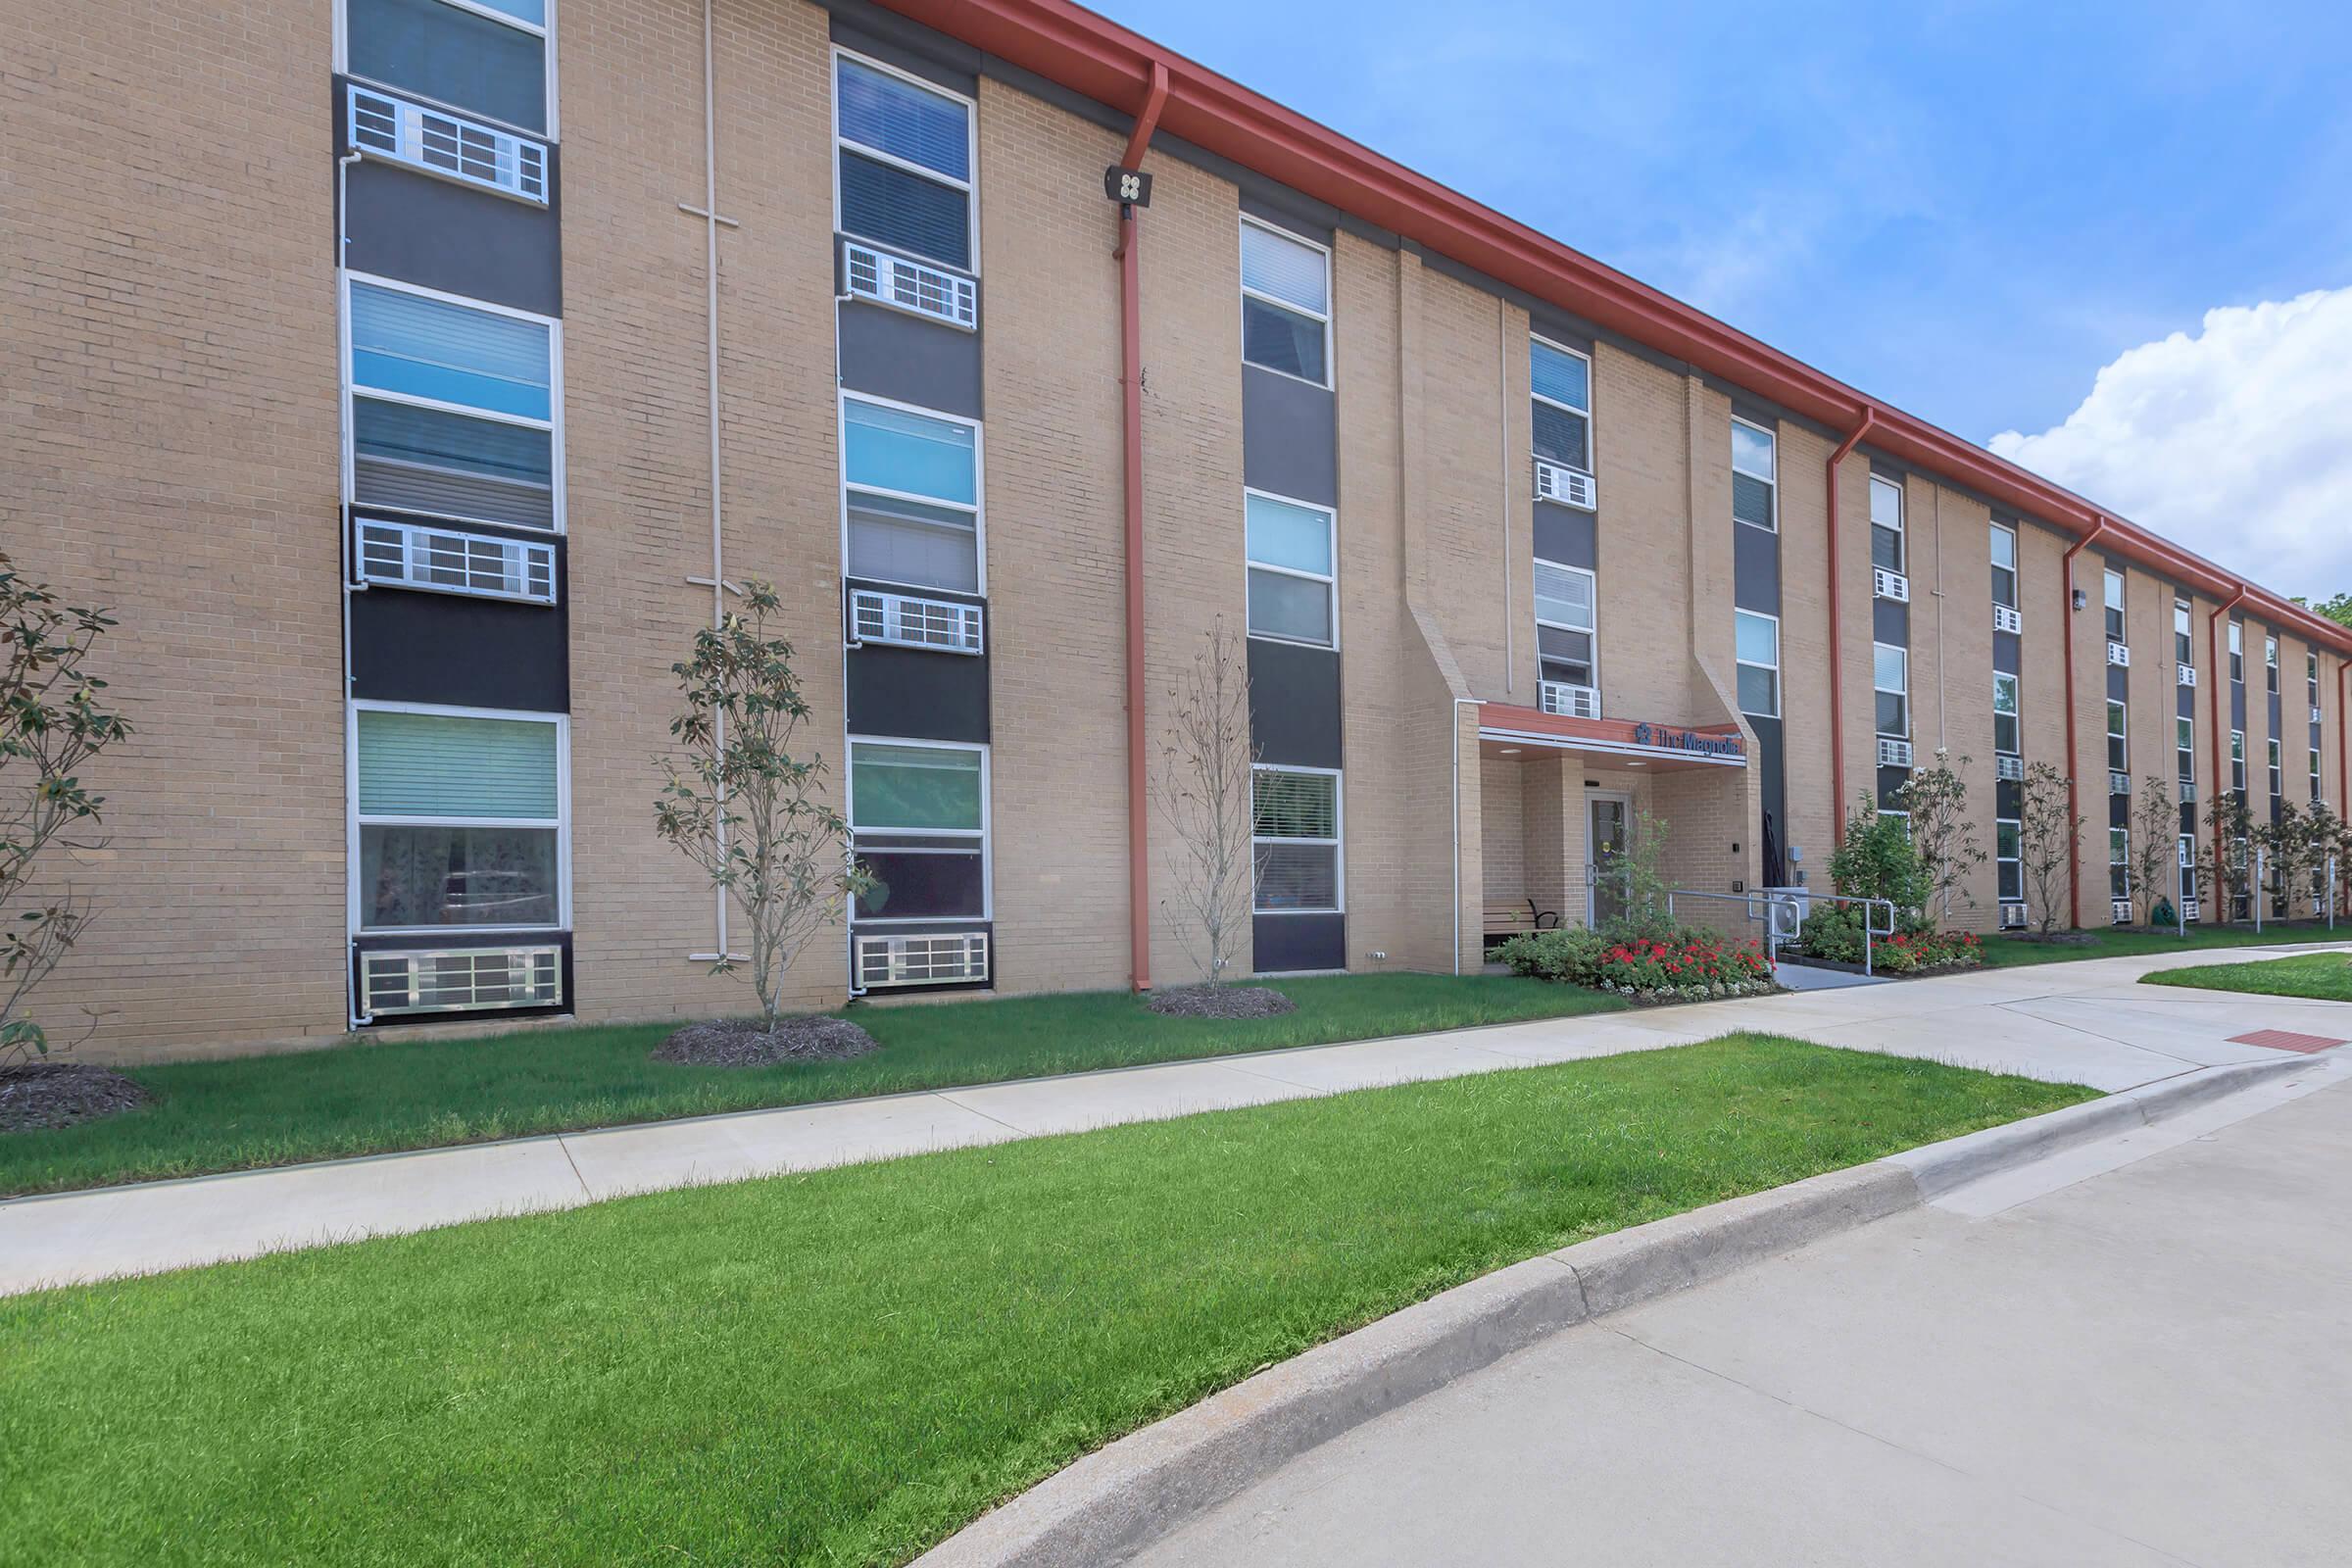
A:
[1869,932]
[1763,906]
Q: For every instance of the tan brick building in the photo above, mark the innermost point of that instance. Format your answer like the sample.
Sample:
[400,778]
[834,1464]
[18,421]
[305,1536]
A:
[414,377]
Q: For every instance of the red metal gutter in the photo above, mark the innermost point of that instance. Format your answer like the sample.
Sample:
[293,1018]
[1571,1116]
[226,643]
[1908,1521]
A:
[1130,401]
[2073,758]
[2221,761]
[1836,667]
[1068,44]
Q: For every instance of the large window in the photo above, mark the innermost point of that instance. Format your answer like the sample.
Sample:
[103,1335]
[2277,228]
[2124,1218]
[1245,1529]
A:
[1886,524]
[1286,304]
[2008,859]
[485,57]
[2005,738]
[2119,745]
[1564,597]
[1755,477]
[454,406]
[912,496]
[1890,676]
[2119,863]
[1562,383]
[2237,760]
[1291,583]
[905,164]
[2115,606]
[1756,649]
[2004,565]
[459,818]
[2185,753]
[1294,838]
[919,816]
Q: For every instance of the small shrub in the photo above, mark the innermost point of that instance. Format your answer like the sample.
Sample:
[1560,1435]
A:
[1834,932]
[1687,965]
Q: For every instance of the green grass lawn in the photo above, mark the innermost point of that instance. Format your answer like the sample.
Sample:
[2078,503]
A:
[371,1098]
[843,1367]
[2108,942]
[2322,976]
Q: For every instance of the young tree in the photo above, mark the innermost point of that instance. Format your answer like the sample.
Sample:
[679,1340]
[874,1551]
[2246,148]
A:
[740,804]
[2224,874]
[2049,833]
[2330,851]
[53,721]
[1943,836]
[2285,842]
[1203,789]
[2155,847]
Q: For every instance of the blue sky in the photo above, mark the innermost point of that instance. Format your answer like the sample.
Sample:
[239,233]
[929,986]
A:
[1964,209]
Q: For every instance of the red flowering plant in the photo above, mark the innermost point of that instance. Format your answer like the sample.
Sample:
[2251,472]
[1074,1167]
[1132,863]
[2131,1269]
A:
[1683,965]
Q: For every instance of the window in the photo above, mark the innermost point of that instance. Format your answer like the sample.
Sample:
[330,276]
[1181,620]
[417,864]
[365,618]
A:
[2237,651]
[2315,772]
[2184,650]
[1564,622]
[453,407]
[1756,648]
[2185,751]
[1755,485]
[2270,662]
[1886,524]
[1562,383]
[2119,863]
[2115,606]
[2008,859]
[2237,760]
[2311,677]
[1294,840]
[1286,304]
[2004,565]
[2187,891]
[1290,587]
[2276,782]
[1890,674]
[904,165]
[486,57]
[2005,738]
[919,817]
[459,819]
[910,485]
[2119,758]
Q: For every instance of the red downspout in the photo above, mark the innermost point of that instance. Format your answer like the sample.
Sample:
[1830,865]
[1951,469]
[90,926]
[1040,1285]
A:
[2220,776]
[1870,417]
[2074,757]
[2343,740]
[1131,398]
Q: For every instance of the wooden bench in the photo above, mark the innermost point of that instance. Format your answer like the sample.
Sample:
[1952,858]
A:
[1518,917]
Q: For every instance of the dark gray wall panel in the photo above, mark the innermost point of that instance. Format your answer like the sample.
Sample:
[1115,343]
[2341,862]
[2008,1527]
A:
[1889,623]
[2005,653]
[918,693]
[2119,810]
[1290,437]
[2184,702]
[2277,716]
[407,225]
[1295,703]
[412,646]
[893,355]
[1287,942]
[1769,761]
[2238,704]
[2119,684]
[1566,535]
[914,48]
[1756,570]
[1289,209]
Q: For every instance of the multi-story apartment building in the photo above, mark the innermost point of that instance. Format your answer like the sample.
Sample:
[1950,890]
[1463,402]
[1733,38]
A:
[414,377]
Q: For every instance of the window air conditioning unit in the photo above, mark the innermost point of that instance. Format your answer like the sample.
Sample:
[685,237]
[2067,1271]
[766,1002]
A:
[460,980]
[911,286]
[1570,487]
[2315,714]
[1894,753]
[452,560]
[2118,653]
[443,144]
[1891,585]
[2007,618]
[907,620]
[2013,917]
[2189,792]
[2188,909]
[1569,701]
[2121,912]
[922,960]
[2007,766]
[2184,675]
[2117,782]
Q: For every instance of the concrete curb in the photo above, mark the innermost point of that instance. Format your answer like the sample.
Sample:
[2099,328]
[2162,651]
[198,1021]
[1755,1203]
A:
[1108,1505]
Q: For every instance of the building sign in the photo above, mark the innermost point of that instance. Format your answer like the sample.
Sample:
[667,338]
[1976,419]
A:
[1699,742]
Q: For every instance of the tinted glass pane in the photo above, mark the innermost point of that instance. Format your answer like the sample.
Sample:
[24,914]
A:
[905,541]
[1297,876]
[907,211]
[1561,377]
[1282,340]
[1894,719]
[1886,549]
[1575,646]
[923,885]
[2005,587]
[437,764]
[1562,437]
[913,786]
[451,465]
[429,348]
[2013,881]
[1889,668]
[1759,691]
[1285,535]
[1289,607]
[890,449]
[2004,734]
[465,61]
[1758,640]
[1295,806]
[1751,500]
[429,876]
[1290,270]
[895,115]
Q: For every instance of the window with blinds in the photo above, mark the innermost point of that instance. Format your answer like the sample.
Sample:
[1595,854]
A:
[459,819]
[1756,475]
[1560,381]
[1886,524]
[1294,840]
[1292,585]
[1286,304]
[918,819]
[905,163]
[914,496]
[1564,622]
[486,57]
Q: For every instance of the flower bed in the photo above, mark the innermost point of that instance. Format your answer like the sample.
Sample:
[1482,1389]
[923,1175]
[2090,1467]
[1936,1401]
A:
[1833,937]
[1683,965]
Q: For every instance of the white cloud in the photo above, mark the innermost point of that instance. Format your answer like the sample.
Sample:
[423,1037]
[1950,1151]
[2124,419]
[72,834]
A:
[2236,442]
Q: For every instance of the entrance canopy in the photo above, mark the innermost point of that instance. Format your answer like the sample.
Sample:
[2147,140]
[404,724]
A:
[1665,747]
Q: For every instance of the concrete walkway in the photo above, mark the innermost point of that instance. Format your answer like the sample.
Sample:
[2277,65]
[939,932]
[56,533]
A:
[2083,1022]
[2139,1366]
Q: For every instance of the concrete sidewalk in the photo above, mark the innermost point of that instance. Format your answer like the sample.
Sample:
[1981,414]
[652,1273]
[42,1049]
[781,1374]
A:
[2084,1022]
[2140,1365]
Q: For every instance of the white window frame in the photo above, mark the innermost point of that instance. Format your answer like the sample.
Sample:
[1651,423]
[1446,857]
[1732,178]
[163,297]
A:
[2185,753]
[1593,597]
[2118,712]
[978,506]
[988,858]
[2274,759]
[1591,426]
[1773,478]
[2238,652]
[2002,528]
[1999,859]
[1337,840]
[972,157]
[353,821]
[2119,864]
[1904,691]
[1773,666]
[554,424]
[2017,719]
[2270,662]
[1330,580]
[544,32]
[2237,760]
[1900,530]
[2112,597]
[1330,365]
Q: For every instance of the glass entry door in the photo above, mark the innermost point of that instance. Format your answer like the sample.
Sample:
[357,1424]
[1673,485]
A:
[1604,852]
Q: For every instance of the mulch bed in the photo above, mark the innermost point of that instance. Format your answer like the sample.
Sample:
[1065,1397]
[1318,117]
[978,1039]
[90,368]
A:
[745,1043]
[59,1093]
[1220,1002]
